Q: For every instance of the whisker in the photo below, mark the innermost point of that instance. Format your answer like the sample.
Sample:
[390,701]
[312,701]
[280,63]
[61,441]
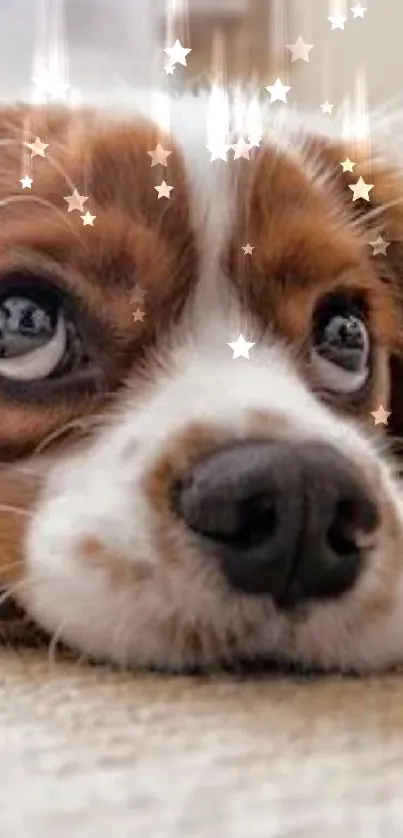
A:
[52,646]
[54,435]
[16,510]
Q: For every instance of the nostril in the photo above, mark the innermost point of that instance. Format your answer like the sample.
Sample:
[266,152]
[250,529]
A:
[233,522]
[352,519]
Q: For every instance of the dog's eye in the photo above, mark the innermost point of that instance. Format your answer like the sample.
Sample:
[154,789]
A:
[35,334]
[341,345]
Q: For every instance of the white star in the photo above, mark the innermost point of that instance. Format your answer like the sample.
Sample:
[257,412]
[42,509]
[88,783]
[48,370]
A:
[300,50]
[379,246]
[347,165]
[138,315]
[278,91]
[254,140]
[138,294]
[248,249]
[88,219]
[47,83]
[218,151]
[241,149]
[177,53]
[159,156]
[169,69]
[75,201]
[361,189]
[337,21]
[381,415]
[358,10]
[327,107]
[26,182]
[240,347]
[163,190]
[38,148]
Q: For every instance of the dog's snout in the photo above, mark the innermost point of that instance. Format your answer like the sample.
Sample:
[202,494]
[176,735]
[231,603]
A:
[285,519]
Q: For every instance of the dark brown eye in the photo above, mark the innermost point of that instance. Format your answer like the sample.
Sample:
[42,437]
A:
[37,337]
[341,345]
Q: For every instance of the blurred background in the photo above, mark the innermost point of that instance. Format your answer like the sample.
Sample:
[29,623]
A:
[111,46]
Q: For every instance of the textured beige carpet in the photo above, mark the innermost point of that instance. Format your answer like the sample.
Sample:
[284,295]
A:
[90,753]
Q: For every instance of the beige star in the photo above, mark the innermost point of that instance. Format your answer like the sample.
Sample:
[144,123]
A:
[137,295]
[278,91]
[381,415]
[347,165]
[88,219]
[337,21]
[379,246]
[361,189]
[240,347]
[177,54]
[300,50]
[358,10]
[159,156]
[241,149]
[75,201]
[248,249]
[163,190]
[26,182]
[138,315]
[327,107]
[38,148]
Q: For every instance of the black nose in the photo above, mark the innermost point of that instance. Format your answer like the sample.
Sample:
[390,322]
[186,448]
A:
[283,519]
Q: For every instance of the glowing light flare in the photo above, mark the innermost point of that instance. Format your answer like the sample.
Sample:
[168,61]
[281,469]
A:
[218,123]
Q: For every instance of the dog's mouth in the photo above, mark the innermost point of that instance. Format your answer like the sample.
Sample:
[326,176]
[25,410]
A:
[16,626]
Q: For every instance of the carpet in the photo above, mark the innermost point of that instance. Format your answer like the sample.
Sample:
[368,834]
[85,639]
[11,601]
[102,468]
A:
[89,752]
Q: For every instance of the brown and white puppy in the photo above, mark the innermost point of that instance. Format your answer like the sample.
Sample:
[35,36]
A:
[163,502]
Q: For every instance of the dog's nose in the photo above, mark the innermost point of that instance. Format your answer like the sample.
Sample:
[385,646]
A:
[286,519]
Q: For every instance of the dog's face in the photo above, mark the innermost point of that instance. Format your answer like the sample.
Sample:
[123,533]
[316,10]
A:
[164,502]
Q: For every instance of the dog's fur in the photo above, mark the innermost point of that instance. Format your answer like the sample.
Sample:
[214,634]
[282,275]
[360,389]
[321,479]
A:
[88,543]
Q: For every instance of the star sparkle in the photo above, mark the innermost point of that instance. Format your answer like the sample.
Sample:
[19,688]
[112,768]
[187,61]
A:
[337,21]
[248,249]
[48,83]
[138,315]
[26,182]
[218,151]
[381,415]
[241,149]
[255,139]
[347,165]
[278,91]
[159,156]
[88,219]
[164,190]
[169,69]
[75,201]
[379,246]
[327,107]
[177,54]
[137,294]
[361,189]
[38,148]
[300,50]
[358,10]
[240,347]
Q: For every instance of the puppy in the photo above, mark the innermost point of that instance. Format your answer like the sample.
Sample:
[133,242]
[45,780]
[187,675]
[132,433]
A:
[173,494]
